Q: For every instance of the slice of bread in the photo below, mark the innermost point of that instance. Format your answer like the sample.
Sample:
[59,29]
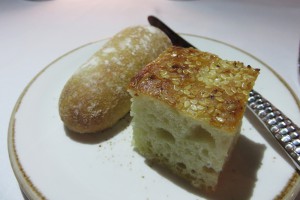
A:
[187,108]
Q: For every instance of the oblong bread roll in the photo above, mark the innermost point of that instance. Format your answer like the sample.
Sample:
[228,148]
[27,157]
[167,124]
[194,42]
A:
[96,96]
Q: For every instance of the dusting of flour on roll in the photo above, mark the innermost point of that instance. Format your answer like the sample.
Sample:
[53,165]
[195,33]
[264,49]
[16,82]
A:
[96,96]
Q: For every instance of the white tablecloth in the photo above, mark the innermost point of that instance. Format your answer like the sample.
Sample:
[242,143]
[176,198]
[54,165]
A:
[34,33]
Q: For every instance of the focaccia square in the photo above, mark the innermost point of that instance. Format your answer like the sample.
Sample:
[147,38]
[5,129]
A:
[187,108]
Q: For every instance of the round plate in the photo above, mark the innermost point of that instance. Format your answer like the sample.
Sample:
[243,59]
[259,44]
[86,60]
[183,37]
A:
[51,162]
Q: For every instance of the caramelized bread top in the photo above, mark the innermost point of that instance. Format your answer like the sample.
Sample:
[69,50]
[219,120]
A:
[198,84]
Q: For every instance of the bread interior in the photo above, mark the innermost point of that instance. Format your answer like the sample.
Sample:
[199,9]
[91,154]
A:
[191,149]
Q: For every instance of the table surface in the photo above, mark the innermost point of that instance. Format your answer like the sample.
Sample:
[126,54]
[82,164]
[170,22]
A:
[34,33]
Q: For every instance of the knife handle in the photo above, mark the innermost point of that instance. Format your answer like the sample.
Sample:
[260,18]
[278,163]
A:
[280,126]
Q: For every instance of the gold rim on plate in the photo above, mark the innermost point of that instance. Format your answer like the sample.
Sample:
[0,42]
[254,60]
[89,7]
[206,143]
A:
[32,191]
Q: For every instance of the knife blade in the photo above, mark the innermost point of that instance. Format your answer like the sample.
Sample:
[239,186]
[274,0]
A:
[281,128]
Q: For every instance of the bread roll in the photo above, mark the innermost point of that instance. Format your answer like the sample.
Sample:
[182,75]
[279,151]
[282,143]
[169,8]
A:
[187,109]
[96,96]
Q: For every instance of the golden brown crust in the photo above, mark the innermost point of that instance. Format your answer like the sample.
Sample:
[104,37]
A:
[198,84]
[96,96]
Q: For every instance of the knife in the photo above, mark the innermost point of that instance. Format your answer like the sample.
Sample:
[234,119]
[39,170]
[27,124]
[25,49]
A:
[281,128]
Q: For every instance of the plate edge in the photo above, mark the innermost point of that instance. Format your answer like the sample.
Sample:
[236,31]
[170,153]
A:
[32,192]
[25,184]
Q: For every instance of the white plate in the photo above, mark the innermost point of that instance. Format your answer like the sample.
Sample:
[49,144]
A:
[49,162]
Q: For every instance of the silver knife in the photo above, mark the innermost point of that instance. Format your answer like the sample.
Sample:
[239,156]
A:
[282,129]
